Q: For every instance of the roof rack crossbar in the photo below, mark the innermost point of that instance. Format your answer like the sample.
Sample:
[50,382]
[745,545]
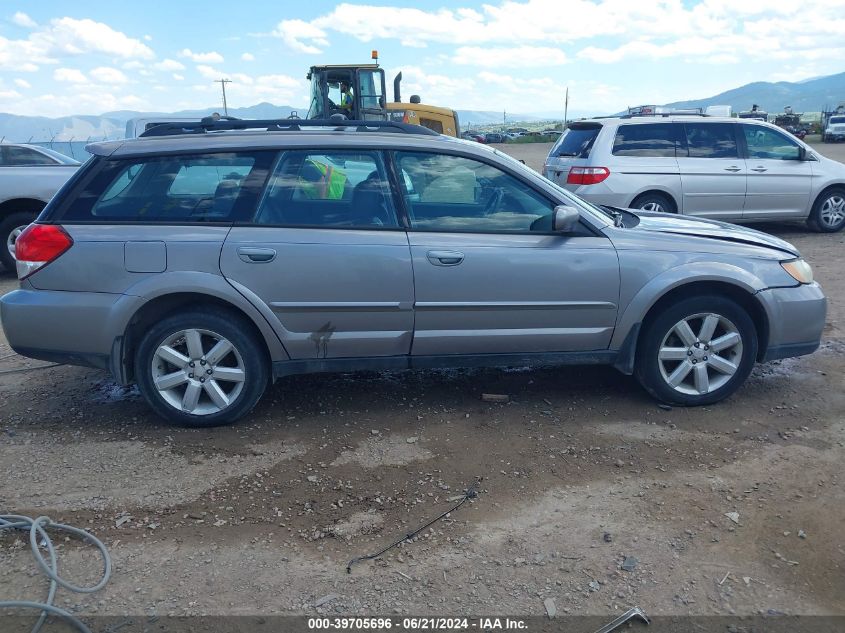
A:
[283,125]
[663,114]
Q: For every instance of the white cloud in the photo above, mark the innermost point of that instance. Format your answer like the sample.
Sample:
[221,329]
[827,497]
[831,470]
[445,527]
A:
[72,37]
[148,38]
[178,77]
[22,83]
[169,65]
[107,75]
[516,57]
[8,95]
[22,19]
[133,65]
[248,57]
[69,75]
[208,72]
[202,58]
[293,32]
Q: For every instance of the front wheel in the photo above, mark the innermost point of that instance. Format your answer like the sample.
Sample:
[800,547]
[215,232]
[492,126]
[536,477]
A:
[697,351]
[828,213]
[201,368]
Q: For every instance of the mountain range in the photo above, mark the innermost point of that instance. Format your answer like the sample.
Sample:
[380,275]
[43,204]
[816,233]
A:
[809,95]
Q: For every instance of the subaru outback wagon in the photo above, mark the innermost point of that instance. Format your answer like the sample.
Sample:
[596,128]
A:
[206,261]
[719,168]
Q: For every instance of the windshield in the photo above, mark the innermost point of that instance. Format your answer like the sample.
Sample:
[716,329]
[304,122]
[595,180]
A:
[837,119]
[567,194]
[64,160]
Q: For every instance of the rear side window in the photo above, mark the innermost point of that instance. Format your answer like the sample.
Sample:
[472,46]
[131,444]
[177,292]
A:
[711,140]
[576,142]
[192,188]
[24,156]
[328,189]
[650,139]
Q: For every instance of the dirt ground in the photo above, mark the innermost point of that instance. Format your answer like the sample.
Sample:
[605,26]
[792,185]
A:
[580,470]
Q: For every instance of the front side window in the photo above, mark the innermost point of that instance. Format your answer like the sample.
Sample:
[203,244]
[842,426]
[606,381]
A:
[711,140]
[195,188]
[453,193]
[763,142]
[649,139]
[24,156]
[328,189]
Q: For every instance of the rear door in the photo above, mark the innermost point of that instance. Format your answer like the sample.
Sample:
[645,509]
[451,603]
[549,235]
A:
[644,159]
[779,182]
[326,253]
[713,174]
[489,276]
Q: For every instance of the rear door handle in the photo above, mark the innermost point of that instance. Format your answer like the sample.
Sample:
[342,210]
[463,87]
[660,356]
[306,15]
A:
[445,258]
[733,169]
[759,169]
[253,255]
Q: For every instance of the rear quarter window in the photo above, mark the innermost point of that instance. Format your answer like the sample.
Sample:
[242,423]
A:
[178,189]
[576,141]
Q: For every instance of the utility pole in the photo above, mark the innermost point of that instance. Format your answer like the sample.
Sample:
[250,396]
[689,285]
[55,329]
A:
[223,83]
[566,108]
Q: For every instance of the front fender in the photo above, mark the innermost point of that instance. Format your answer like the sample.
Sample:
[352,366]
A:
[656,288]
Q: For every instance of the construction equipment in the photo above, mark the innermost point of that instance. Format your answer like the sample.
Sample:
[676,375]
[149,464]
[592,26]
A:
[754,113]
[357,92]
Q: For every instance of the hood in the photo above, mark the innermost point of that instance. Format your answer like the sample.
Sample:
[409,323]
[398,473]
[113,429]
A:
[700,227]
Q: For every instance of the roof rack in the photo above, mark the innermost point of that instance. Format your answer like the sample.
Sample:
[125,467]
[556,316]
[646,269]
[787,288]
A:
[663,114]
[209,124]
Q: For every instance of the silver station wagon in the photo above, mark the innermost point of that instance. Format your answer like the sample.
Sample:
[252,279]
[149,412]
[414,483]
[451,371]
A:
[206,260]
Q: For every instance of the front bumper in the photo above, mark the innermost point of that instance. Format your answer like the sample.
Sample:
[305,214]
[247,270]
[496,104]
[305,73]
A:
[796,320]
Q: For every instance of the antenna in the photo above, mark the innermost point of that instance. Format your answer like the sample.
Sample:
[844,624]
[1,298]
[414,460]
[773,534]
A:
[223,83]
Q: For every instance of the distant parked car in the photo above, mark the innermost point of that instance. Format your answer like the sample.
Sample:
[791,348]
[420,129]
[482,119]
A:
[29,176]
[720,168]
[494,137]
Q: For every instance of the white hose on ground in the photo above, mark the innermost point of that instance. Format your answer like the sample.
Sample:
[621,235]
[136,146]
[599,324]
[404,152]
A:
[37,529]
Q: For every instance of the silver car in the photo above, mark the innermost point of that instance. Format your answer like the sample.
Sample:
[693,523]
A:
[205,265]
[718,168]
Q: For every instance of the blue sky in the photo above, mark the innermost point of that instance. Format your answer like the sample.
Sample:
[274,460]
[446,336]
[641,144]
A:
[85,57]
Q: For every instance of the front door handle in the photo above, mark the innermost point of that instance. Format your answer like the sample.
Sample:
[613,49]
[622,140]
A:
[253,255]
[445,258]
[759,169]
[733,169]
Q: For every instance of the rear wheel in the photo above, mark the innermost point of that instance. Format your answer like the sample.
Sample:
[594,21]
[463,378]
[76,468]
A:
[654,202]
[11,227]
[697,351]
[201,368]
[828,214]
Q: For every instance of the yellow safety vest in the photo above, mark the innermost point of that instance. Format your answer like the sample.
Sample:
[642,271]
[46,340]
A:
[331,185]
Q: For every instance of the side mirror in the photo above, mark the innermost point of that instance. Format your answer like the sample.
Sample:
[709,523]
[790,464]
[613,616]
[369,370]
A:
[802,153]
[565,218]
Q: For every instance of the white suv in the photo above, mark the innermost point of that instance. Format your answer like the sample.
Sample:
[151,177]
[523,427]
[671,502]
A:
[722,168]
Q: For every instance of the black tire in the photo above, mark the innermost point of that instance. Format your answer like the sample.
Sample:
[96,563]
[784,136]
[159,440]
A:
[650,371]
[8,224]
[654,202]
[249,356]
[818,219]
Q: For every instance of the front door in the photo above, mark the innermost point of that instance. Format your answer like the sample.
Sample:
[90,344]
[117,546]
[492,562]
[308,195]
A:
[326,254]
[779,181]
[713,175]
[489,276]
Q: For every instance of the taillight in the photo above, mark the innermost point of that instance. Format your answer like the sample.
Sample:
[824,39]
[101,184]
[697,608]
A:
[587,175]
[38,245]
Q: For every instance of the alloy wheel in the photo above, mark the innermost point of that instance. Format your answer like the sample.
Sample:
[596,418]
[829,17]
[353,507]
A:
[700,354]
[653,207]
[13,237]
[832,212]
[198,371]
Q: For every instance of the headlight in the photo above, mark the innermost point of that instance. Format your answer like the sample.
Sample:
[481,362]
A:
[799,270]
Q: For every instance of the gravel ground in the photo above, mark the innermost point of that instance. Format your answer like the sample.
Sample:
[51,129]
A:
[577,472]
